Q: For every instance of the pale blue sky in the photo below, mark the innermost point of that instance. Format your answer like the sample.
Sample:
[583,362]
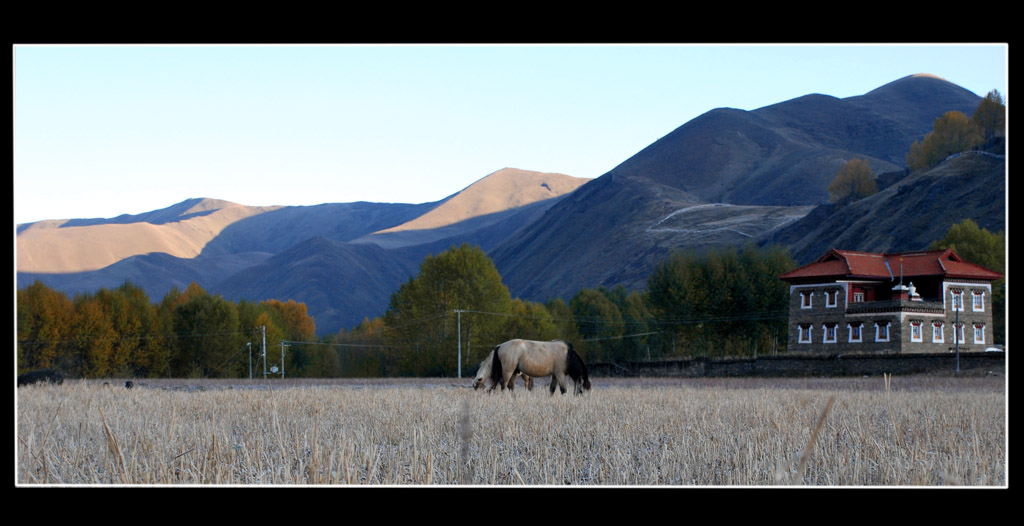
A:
[103,130]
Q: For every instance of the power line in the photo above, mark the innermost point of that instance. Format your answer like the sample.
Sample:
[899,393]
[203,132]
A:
[624,336]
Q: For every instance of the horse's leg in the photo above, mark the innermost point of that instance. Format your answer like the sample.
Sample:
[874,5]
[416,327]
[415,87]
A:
[561,382]
[509,379]
[553,384]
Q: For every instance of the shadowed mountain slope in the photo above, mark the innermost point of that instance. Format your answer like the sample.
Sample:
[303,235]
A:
[340,283]
[748,173]
[908,215]
[787,153]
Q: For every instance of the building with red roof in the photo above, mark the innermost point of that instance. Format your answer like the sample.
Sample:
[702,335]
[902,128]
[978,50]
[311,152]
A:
[862,302]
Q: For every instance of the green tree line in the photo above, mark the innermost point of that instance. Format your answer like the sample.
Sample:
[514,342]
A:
[726,302]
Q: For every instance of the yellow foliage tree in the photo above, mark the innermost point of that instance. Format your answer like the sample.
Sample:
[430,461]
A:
[855,180]
[951,133]
[299,325]
[44,321]
[990,116]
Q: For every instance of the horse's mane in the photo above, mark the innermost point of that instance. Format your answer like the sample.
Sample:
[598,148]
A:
[495,365]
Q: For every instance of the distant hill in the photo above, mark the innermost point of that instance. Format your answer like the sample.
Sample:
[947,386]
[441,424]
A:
[787,153]
[725,178]
[488,201]
[343,259]
[182,230]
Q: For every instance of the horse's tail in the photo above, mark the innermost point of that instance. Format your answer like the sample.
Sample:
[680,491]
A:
[575,366]
[496,366]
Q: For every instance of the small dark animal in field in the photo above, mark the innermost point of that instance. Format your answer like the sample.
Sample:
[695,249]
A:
[41,375]
[129,384]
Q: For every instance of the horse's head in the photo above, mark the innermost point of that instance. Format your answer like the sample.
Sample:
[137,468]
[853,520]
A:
[577,370]
[482,373]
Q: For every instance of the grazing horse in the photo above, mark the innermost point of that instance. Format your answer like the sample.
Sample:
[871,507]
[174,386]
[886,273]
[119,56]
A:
[556,358]
[484,372]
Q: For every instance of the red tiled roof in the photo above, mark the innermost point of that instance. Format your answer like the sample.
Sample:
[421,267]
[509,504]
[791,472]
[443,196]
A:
[849,264]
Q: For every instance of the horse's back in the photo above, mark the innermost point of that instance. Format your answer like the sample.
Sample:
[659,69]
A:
[533,358]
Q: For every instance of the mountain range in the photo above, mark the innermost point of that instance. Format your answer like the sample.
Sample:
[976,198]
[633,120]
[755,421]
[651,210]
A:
[725,178]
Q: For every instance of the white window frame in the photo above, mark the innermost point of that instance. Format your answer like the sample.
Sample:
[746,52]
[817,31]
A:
[958,333]
[979,333]
[938,332]
[879,326]
[858,297]
[831,299]
[978,300]
[829,332]
[806,299]
[803,329]
[916,331]
[858,329]
[957,300]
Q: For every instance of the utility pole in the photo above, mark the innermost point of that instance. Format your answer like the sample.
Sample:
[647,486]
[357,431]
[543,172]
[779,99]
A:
[263,330]
[956,330]
[458,313]
[282,359]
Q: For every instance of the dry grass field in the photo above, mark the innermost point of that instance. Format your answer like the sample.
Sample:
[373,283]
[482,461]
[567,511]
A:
[909,431]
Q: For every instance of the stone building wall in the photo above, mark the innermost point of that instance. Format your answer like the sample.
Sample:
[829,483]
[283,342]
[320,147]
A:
[829,306]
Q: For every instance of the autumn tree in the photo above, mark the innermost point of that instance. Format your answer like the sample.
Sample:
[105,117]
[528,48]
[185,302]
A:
[951,133]
[855,180]
[298,324]
[44,319]
[92,346]
[989,118]
[138,323]
[120,332]
[132,318]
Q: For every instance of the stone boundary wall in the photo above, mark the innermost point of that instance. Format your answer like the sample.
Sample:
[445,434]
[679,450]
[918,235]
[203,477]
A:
[783,366]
